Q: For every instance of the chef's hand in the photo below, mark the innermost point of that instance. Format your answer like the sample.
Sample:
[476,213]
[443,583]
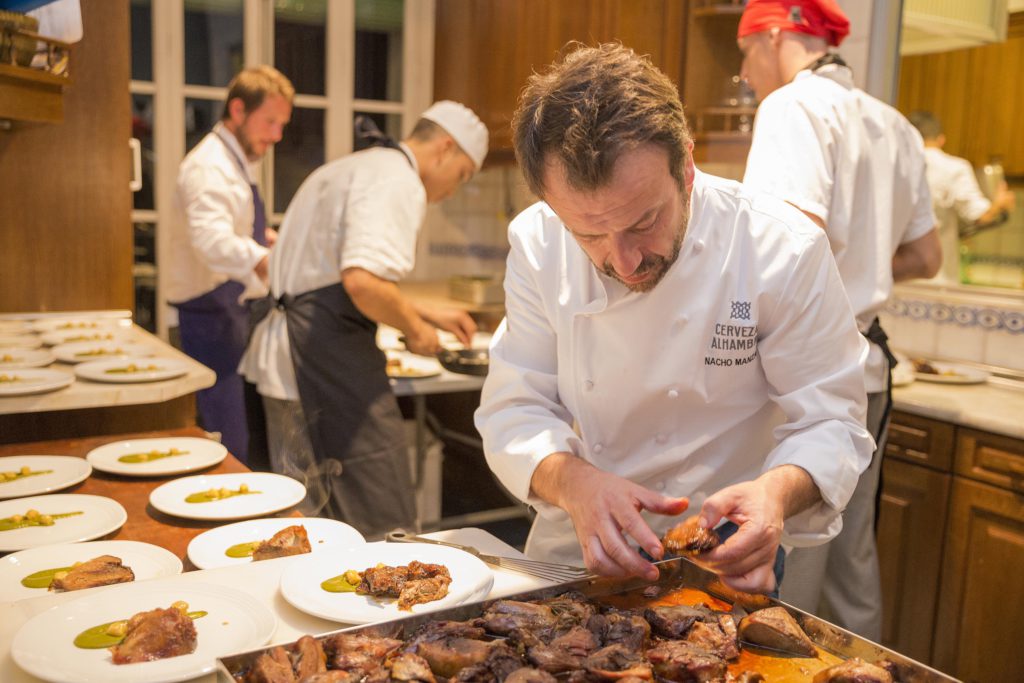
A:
[605,509]
[454,320]
[746,560]
[422,339]
[262,268]
[270,235]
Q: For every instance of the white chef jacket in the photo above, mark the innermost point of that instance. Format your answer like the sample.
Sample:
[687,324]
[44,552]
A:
[211,222]
[743,358]
[956,197]
[363,210]
[836,152]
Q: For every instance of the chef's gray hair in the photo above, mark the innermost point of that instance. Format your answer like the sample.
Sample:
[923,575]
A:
[592,106]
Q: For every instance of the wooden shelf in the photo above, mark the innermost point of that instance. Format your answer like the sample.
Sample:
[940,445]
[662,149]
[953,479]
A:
[718,10]
[31,94]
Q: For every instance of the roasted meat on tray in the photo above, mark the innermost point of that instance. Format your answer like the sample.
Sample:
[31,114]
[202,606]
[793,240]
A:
[291,540]
[689,538]
[99,571]
[853,671]
[775,628]
[156,634]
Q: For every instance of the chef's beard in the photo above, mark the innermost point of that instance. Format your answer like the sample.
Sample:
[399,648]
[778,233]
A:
[244,141]
[654,263]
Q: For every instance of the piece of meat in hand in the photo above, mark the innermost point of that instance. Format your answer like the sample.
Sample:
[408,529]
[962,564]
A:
[292,540]
[775,628]
[156,634]
[853,671]
[99,571]
[689,538]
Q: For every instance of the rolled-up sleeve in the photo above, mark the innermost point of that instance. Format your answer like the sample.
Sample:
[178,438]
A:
[520,416]
[813,358]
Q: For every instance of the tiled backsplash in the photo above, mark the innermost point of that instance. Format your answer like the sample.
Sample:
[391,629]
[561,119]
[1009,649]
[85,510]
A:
[933,322]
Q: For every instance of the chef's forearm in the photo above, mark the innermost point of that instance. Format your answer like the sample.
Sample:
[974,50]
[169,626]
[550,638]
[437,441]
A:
[920,258]
[794,486]
[379,299]
[554,476]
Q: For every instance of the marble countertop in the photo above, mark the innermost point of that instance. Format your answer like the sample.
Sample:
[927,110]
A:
[87,394]
[995,406]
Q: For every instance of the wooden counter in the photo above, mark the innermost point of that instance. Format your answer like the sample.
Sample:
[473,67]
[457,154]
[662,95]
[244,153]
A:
[144,523]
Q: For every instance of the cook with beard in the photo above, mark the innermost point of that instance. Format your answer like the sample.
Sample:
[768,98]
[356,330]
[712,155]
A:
[219,242]
[671,341]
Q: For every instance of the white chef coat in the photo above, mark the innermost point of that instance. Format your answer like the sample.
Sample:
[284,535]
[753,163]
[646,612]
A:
[211,222]
[956,198]
[836,152]
[361,211]
[743,358]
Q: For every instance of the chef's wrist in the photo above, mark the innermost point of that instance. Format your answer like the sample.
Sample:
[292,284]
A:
[554,475]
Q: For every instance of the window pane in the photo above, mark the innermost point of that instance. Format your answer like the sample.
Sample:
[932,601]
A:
[379,49]
[200,115]
[142,128]
[300,151]
[300,34]
[144,272]
[389,124]
[213,41]
[142,40]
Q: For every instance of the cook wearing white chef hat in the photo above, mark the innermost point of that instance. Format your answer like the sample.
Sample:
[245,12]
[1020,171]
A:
[463,125]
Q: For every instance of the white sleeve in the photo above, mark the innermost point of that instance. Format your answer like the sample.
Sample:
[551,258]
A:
[210,210]
[968,200]
[790,157]
[813,358]
[520,417]
[380,224]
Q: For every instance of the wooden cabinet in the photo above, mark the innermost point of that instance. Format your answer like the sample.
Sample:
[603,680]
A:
[951,547]
[486,49]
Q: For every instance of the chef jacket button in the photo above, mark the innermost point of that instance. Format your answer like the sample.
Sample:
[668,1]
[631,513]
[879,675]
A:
[660,486]
[698,246]
[598,448]
[588,385]
[673,393]
[660,438]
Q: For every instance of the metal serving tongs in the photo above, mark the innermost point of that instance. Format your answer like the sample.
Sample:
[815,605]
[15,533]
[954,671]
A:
[545,570]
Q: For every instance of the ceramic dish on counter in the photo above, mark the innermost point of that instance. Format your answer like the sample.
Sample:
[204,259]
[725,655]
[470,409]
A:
[85,351]
[209,549]
[16,358]
[227,496]
[302,578]
[19,341]
[33,381]
[15,327]
[156,457]
[79,324]
[115,335]
[947,373]
[45,474]
[405,365]
[132,370]
[234,621]
[76,517]
[147,561]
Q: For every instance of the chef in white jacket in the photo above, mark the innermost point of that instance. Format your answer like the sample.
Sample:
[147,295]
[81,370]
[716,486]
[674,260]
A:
[669,341]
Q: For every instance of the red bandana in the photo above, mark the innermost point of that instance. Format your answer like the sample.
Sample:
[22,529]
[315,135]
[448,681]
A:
[822,18]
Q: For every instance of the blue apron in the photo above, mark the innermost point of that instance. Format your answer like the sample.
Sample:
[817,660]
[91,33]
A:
[214,328]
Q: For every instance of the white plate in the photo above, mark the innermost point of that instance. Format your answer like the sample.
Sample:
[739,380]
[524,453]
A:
[34,381]
[100,516]
[414,366]
[200,453]
[82,352]
[118,336]
[100,370]
[146,561]
[79,324]
[20,341]
[236,621]
[301,579]
[67,471]
[207,549]
[961,374]
[20,358]
[276,492]
[15,327]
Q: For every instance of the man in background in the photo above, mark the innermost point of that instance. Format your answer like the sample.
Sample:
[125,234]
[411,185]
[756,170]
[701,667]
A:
[959,204]
[855,167]
[219,242]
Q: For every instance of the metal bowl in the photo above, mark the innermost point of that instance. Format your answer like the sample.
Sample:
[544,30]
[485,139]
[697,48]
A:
[465,361]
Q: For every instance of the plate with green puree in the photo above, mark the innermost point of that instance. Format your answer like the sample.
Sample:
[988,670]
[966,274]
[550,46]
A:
[242,495]
[156,457]
[29,475]
[57,518]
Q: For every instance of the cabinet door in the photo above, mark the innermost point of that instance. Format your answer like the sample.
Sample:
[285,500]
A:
[911,523]
[981,601]
[920,440]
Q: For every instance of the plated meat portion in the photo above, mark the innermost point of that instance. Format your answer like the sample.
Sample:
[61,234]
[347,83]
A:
[776,628]
[99,571]
[413,584]
[156,634]
[292,540]
[689,538]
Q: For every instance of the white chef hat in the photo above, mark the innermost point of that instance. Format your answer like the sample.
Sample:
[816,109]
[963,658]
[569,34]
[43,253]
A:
[463,125]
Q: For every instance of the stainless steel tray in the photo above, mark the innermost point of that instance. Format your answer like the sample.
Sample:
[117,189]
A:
[675,573]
